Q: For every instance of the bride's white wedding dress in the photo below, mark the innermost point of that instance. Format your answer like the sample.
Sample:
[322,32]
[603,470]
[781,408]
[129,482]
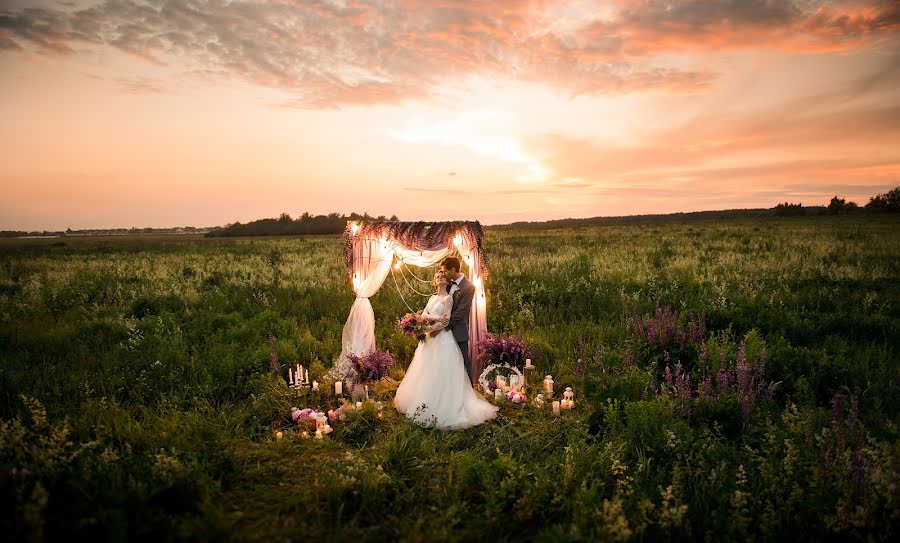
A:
[436,390]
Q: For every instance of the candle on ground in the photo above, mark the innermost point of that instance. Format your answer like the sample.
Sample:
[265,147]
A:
[528,363]
[556,407]
[315,386]
[338,387]
[358,405]
[278,435]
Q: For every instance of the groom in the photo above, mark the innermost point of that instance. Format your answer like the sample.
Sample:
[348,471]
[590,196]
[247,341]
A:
[463,291]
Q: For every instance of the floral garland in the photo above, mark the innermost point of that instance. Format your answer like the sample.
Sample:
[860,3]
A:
[417,235]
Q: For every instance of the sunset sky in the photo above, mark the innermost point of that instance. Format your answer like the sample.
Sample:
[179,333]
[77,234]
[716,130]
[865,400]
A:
[165,113]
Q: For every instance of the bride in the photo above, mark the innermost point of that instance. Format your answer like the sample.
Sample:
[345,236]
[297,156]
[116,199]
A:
[436,390]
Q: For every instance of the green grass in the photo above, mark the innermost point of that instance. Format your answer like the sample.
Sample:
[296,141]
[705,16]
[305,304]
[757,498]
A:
[137,402]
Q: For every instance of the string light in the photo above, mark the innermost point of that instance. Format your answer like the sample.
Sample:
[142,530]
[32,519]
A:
[354,228]
[457,240]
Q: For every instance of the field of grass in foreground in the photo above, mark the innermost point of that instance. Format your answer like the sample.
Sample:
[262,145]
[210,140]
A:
[137,402]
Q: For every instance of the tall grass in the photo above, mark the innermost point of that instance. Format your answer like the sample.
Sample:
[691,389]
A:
[137,402]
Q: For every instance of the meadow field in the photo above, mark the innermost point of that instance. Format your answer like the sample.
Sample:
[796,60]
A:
[739,380]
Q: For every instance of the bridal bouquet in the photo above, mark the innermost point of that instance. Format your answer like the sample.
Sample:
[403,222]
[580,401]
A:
[414,324]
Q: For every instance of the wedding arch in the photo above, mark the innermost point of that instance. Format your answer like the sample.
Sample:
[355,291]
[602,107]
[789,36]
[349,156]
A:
[372,248]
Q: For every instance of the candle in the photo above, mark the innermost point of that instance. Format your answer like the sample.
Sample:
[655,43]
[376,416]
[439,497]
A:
[315,386]
[498,393]
[367,392]
[321,422]
[338,387]
[304,434]
[513,381]
[556,407]
[278,435]
[358,405]
[319,434]
[307,376]
[290,376]
[298,374]
[528,363]
[548,385]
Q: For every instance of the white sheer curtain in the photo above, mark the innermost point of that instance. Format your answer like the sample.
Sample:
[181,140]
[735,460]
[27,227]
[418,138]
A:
[372,260]
[478,313]
[371,265]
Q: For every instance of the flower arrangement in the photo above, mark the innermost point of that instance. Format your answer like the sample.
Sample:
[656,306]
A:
[497,349]
[516,397]
[414,324]
[371,367]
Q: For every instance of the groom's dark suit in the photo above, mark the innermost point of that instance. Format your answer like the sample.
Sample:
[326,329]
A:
[459,319]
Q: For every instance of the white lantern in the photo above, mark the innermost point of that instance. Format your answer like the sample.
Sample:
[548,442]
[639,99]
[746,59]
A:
[548,385]
[569,394]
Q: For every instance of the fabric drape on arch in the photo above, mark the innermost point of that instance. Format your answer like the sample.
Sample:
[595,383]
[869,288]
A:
[370,249]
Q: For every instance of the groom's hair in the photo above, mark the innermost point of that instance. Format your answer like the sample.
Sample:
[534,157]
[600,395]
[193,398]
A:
[451,263]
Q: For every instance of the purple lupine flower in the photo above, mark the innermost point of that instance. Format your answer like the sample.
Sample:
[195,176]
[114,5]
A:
[682,386]
[705,389]
[722,381]
[669,383]
[745,410]
[703,353]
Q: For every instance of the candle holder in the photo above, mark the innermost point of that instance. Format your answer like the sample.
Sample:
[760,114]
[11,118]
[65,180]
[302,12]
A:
[548,386]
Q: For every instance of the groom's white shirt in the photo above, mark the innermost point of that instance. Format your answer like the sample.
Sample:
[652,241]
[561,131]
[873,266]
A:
[454,287]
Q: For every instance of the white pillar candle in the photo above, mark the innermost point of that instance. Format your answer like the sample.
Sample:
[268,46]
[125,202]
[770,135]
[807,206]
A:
[298,374]
[338,387]
[556,407]
[307,376]
[315,386]
[367,392]
[290,376]
[528,363]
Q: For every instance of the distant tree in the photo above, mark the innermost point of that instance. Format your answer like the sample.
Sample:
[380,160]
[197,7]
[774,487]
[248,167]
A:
[839,206]
[393,218]
[787,209]
[889,201]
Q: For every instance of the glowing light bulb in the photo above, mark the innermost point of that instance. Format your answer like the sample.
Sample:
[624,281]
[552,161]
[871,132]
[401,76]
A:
[354,228]
[457,240]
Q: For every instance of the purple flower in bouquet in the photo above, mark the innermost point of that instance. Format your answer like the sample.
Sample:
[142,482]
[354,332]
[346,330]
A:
[373,366]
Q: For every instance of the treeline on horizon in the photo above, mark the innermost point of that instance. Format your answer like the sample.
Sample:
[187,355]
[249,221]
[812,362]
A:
[334,223]
[305,224]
